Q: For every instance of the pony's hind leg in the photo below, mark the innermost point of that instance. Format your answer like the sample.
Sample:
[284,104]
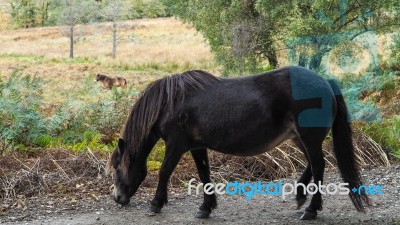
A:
[172,157]
[313,146]
[301,195]
[203,167]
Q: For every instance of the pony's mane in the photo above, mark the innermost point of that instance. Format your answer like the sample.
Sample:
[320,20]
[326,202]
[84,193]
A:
[158,96]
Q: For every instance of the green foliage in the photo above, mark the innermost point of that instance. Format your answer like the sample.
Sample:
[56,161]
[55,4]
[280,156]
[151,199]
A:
[34,13]
[394,60]
[23,13]
[246,34]
[20,100]
[146,9]
[90,109]
[43,141]
[386,133]
[89,117]
[156,157]
[77,11]
[355,88]
[239,36]
[31,13]
[91,140]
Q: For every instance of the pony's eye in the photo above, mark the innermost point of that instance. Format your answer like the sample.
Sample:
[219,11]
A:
[115,165]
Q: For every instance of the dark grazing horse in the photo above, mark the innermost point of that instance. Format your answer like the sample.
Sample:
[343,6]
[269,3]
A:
[245,116]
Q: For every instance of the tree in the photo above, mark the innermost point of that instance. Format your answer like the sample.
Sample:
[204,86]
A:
[43,6]
[145,9]
[75,12]
[322,25]
[29,13]
[23,13]
[114,11]
[243,33]
[239,36]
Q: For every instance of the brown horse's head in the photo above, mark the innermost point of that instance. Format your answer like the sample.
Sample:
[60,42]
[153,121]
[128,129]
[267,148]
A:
[129,172]
[100,77]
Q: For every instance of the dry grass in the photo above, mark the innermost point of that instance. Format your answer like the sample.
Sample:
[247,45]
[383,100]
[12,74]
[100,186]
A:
[54,171]
[3,19]
[64,173]
[157,47]
[161,42]
[149,49]
[283,161]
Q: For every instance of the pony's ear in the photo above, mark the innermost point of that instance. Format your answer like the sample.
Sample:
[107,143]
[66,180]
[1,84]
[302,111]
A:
[121,146]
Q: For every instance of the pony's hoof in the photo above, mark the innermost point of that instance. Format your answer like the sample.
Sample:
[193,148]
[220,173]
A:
[300,202]
[309,215]
[150,213]
[202,214]
[153,210]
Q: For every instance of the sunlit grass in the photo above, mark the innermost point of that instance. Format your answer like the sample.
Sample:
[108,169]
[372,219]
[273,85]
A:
[156,41]
[149,49]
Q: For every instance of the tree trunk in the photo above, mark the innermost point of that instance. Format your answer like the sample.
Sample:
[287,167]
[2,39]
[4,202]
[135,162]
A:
[272,58]
[303,60]
[115,40]
[71,41]
[316,60]
[45,12]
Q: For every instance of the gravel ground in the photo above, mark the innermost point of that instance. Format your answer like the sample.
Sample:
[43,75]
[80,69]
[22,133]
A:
[231,209]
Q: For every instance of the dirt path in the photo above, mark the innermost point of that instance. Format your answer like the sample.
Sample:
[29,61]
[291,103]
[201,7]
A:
[231,210]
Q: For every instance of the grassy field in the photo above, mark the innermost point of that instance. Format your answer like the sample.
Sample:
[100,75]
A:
[148,49]
[66,95]
[66,111]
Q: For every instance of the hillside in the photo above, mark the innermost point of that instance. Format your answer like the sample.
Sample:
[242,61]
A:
[164,45]
[58,131]
[148,49]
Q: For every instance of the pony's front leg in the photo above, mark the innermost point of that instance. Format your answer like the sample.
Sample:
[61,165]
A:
[203,167]
[172,157]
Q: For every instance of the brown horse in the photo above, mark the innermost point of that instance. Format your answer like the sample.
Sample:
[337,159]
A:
[109,82]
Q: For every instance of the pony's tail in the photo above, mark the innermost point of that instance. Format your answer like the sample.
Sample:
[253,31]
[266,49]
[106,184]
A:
[344,152]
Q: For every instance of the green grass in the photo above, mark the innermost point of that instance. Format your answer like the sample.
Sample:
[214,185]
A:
[34,59]
[386,133]
[87,118]
[154,66]
[156,156]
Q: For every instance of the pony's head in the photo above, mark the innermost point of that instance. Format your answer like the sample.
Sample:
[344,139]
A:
[129,159]
[100,77]
[129,172]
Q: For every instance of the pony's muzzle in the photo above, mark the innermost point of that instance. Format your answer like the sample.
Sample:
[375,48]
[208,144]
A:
[120,199]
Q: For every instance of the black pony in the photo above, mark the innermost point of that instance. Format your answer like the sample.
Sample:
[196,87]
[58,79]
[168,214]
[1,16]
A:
[245,116]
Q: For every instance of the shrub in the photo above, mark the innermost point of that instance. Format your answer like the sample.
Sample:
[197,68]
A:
[394,60]
[146,9]
[156,156]
[386,133]
[92,109]
[20,99]
[88,117]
